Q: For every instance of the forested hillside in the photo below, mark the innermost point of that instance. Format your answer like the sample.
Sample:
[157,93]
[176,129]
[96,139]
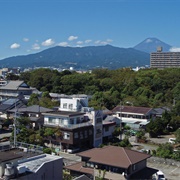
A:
[148,87]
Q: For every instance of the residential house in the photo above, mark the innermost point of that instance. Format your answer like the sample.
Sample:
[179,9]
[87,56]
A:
[34,113]
[14,89]
[15,164]
[117,162]
[81,126]
[76,129]
[8,105]
[135,117]
[5,71]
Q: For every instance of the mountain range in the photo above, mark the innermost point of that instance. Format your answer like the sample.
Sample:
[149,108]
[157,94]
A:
[88,57]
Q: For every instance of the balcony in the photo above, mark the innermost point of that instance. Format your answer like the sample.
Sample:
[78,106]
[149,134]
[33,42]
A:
[68,126]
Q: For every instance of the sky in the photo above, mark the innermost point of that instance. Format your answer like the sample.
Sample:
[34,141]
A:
[31,26]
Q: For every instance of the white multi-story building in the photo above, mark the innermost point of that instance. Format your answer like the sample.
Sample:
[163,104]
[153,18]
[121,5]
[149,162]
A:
[73,103]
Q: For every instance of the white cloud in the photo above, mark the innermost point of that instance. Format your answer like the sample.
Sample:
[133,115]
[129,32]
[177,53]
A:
[63,44]
[97,42]
[36,46]
[79,42]
[15,46]
[71,38]
[88,41]
[48,42]
[103,42]
[109,40]
[174,49]
[25,39]
[148,40]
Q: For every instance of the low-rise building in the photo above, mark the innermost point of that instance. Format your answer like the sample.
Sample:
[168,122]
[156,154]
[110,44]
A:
[14,89]
[135,117]
[15,164]
[117,162]
[76,129]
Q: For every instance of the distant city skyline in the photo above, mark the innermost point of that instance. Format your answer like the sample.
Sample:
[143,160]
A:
[30,26]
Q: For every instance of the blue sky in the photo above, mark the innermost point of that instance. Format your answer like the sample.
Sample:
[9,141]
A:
[30,26]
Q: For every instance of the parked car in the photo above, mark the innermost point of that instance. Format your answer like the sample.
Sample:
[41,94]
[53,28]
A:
[172,140]
[160,176]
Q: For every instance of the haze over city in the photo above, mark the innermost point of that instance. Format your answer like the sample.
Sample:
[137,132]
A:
[30,26]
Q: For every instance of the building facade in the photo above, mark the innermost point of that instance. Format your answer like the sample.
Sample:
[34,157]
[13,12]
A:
[117,162]
[162,60]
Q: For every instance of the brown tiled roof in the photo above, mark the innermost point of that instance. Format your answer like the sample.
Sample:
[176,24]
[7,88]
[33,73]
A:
[114,156]
[8,156]
[79,167]
[132,109]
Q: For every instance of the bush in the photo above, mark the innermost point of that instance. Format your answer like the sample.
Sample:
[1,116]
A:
[47,150]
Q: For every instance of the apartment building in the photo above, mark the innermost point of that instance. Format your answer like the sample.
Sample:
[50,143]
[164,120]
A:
[162,60]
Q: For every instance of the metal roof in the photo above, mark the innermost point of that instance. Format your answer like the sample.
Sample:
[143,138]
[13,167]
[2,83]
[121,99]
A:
[34,163]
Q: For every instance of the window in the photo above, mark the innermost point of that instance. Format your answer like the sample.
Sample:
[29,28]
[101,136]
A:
[98,131]
[90,132]
[134,167]
[71,106]
[76,135]
[81,135]
[106,128]
[66,135]
[71,121]
[65,105]
[85,134]
[51,120]
[98,120]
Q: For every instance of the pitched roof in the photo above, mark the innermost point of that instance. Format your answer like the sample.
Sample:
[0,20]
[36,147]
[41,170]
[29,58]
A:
[11,103]
[132,109]
[12,85]
[82,177]
[114,156]
[34,109]
[78,167]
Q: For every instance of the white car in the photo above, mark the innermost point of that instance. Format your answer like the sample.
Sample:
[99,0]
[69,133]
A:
[172,140]
[160,176]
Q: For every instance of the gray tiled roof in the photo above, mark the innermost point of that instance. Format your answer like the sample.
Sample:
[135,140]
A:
[35,109]
[12,85]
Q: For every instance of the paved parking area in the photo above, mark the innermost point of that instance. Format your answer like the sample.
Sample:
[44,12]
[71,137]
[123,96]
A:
[170,172]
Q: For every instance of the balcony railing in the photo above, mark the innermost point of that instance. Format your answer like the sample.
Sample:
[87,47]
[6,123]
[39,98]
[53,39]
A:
[69,126]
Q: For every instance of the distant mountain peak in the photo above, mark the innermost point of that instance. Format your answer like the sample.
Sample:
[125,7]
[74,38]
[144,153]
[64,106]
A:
[150,45]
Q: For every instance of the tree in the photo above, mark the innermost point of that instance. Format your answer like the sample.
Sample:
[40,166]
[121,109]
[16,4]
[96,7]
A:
[125,143]
[155,127]
[33,100]
[101,174]
[177,135]
[165,150]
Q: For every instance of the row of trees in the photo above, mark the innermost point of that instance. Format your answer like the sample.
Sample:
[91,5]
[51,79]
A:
[148,87]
